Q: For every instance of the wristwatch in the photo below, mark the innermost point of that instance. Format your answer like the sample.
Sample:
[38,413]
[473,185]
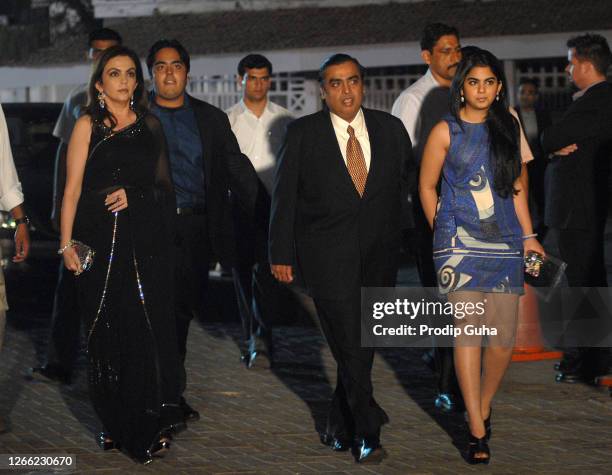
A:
[23,220]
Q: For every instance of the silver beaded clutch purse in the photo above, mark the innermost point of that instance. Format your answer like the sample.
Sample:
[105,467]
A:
[85,254]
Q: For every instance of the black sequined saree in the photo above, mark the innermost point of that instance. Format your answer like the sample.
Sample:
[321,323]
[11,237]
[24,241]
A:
[126,298]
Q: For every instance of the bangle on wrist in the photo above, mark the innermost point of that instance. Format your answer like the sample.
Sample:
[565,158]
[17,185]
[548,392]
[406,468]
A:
[529,236]
[63,249]
[23,220]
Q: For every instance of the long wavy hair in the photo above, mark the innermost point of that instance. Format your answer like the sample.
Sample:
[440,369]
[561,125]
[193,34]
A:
[504,135]
[101,115]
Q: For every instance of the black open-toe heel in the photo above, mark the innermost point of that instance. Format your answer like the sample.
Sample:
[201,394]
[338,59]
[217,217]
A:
[160,448]
[478,446]
[487,425]
[105,442]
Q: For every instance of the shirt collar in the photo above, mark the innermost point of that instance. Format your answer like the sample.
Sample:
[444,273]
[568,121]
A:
[154,104]
[430,77]
[243,108]
[582,92]
[358,123]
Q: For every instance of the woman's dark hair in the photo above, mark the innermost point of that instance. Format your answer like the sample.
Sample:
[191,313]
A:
[98,114]
[503,127]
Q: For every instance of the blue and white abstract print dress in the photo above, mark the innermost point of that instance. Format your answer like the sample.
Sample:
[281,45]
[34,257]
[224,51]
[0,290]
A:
[477,237]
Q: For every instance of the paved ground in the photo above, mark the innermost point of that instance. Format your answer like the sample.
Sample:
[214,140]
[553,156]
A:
[266,422]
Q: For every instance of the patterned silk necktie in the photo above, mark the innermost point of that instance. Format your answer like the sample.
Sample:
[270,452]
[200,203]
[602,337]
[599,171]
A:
[355,162]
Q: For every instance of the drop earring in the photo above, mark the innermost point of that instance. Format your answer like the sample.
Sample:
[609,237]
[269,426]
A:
[497,97]
[101,100]
[462,99]
[132,102]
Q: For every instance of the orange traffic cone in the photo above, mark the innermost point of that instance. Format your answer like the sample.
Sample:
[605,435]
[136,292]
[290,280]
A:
[604,381]
[528,345]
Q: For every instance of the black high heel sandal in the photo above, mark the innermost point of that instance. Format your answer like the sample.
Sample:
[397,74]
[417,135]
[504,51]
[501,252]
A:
[487,425]
[105,442]
[160,448]
[478,446]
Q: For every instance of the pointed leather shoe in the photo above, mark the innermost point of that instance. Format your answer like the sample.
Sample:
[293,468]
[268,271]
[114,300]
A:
[370,452]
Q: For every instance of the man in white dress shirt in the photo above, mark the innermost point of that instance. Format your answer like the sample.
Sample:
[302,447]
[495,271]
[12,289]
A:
[420,107]
[11,199]
[259,126]
[441,51]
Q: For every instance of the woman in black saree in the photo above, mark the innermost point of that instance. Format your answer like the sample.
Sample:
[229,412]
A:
[119,200]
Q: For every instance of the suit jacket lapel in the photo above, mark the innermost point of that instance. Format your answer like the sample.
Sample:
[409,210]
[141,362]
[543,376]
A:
[374,134]
[205,126]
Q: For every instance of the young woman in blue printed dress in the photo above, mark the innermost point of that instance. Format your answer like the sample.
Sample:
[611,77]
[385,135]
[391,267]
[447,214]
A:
[482,229]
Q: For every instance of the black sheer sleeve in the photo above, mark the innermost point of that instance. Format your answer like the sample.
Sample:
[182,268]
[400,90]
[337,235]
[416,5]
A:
[164,188]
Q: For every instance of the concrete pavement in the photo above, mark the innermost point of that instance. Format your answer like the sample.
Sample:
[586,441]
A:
[265,422]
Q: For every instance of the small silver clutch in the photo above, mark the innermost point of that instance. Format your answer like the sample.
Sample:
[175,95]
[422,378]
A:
[85,254]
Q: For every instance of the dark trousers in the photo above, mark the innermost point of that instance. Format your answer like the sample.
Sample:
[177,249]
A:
[65,337]
[192,254]
[353,410]
[443,356]
[255,292]
[583,251]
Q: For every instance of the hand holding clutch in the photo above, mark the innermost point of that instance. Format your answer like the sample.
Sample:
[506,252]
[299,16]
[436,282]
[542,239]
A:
[84,256]
[533,263]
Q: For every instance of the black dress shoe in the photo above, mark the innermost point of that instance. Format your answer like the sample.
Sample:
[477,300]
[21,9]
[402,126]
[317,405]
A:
[572,377]
[336,443]
[48,374]
[342,445]
[369,451]
[189,413]
[568,377]
[258,359]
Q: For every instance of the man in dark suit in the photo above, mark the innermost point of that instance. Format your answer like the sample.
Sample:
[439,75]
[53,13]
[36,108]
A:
[339,196]
[577,180]
[206,162]
[534,119]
